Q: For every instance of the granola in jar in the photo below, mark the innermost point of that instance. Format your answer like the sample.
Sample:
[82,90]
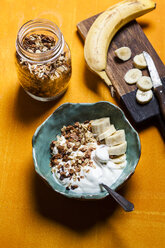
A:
[43,60]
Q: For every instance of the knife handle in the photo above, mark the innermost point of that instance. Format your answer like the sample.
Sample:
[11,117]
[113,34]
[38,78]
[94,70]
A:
[160,125]
[160,94]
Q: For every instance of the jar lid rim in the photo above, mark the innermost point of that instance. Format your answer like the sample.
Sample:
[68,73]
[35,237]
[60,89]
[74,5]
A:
[43,56]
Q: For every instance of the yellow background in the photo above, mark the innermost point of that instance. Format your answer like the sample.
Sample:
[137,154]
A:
[31,214]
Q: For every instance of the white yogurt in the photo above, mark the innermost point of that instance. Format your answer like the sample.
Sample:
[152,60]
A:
[101,154]
[105,172]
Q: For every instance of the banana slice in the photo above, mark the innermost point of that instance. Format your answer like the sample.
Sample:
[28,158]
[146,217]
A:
[123,53]
[118,150]
[115,139]
[139,61]
[143,97]
[116,166]
[144,83]
[132,76]
[107,133]
[119,159]
[100,125]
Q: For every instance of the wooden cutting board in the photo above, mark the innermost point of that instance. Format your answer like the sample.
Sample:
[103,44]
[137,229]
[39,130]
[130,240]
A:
[132,36]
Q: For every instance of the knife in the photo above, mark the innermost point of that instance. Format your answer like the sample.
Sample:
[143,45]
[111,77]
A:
[158,87]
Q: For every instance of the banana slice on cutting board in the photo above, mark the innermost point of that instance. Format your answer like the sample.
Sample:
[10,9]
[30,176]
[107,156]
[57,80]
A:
[144,83]
[123,53]
[101,125]
[118,150]
[119,159]
[115,139]
[143,97]
[107,133]
[132,76]
[139,61]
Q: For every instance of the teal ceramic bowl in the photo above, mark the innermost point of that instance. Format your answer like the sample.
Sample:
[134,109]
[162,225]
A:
[69,113]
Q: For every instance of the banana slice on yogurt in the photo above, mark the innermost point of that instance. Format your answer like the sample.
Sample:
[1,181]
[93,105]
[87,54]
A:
[119,159]
[116,166]
[101,125]
[118,149]
[107,133]
[116,138]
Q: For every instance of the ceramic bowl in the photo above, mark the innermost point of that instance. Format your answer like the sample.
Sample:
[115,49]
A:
[69,113]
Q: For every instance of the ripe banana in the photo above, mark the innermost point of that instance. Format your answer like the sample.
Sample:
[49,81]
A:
[132,76]
[144,83]
[139,61]
[143,97]
[117,138]
[123,53]
[101,125]
[107,133]
[118,150]
[105,27]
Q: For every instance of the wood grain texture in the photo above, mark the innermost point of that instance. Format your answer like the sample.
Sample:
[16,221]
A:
[130,35]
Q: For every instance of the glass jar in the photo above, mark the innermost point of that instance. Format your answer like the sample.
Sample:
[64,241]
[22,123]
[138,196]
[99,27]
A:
[43,60]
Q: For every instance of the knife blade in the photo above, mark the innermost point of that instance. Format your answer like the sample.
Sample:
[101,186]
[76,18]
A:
[158,87]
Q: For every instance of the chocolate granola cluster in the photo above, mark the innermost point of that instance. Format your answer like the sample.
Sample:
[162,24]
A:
[37,43]
[73,157]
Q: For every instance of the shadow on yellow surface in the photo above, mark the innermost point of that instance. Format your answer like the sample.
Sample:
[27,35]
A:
[92,80]
[27,109]
[144,25]
[78,215]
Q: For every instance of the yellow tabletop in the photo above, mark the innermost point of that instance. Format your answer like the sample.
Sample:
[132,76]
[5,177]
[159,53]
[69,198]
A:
[31,214]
